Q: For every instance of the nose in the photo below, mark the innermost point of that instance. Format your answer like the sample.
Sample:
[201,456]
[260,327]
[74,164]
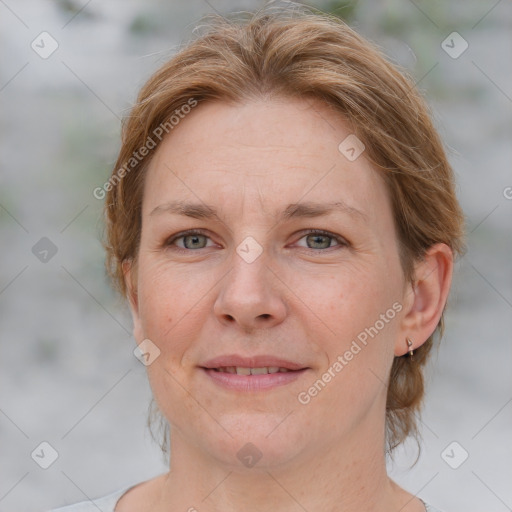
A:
[251,296]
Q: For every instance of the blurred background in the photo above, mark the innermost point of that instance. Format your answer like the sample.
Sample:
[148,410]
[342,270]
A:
[70,69]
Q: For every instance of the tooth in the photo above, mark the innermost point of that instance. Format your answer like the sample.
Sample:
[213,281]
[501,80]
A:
[226,369]
[251,371]
[259,371]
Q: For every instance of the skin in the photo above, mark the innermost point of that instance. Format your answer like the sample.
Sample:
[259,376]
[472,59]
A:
[305,298]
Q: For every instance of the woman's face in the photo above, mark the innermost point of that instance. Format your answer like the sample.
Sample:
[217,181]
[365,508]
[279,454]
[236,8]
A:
[254,281]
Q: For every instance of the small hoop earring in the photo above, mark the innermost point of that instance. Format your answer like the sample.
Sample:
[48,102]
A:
[409,344]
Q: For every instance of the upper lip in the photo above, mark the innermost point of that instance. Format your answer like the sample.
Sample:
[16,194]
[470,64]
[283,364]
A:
[257,361]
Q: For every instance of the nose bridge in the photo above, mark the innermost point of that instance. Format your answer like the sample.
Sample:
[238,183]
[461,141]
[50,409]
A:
[248,278]
[249,293]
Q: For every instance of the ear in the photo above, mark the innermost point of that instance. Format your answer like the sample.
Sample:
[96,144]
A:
[425,299]
[130,278]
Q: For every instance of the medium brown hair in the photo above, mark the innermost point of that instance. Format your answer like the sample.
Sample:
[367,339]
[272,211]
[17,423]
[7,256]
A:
[301,53]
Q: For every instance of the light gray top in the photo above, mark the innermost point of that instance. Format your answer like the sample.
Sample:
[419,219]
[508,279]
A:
[108,504]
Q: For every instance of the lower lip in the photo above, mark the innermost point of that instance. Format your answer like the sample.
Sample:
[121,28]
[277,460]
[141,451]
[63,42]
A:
[252,382]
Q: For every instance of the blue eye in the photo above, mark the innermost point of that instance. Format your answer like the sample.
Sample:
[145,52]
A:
[196,239]
[192,239]
[322,239]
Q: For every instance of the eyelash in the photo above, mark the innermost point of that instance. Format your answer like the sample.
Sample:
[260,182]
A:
[341,241]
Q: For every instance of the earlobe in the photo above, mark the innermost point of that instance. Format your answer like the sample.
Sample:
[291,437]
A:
[429,291]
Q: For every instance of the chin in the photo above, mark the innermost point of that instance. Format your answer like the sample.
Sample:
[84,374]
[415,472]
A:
[256,442]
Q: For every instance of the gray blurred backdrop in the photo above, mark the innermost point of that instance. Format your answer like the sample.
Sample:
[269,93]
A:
[68,374]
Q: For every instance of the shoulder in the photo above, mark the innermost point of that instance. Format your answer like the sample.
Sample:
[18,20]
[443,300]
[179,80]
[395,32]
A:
[105,504]
[133,497]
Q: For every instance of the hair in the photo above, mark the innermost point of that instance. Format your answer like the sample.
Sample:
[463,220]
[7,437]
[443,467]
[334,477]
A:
[303,53]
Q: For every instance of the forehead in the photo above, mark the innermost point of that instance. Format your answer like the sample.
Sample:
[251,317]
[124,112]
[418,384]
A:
[265,153]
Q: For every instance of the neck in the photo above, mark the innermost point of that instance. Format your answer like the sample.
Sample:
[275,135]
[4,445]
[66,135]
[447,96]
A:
[349,477]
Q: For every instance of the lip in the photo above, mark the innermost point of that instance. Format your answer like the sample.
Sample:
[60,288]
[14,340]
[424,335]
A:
[252,382]
[246,383]
[256,361]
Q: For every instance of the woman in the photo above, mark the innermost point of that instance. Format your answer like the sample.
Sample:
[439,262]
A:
[283,222]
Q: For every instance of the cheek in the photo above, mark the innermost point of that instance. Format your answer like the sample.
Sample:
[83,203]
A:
[164,299]
[173,305]
[169,311]
[359,357]
[363,318]
[356,300]
[157,303]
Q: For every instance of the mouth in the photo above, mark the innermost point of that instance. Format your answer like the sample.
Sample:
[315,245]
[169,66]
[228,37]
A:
[252,373]
[240,370]
[245,379]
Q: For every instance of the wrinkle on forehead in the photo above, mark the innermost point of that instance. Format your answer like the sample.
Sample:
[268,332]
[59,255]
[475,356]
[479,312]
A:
[246,172]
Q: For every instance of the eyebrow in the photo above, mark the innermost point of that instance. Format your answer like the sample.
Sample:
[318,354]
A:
[293,210]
